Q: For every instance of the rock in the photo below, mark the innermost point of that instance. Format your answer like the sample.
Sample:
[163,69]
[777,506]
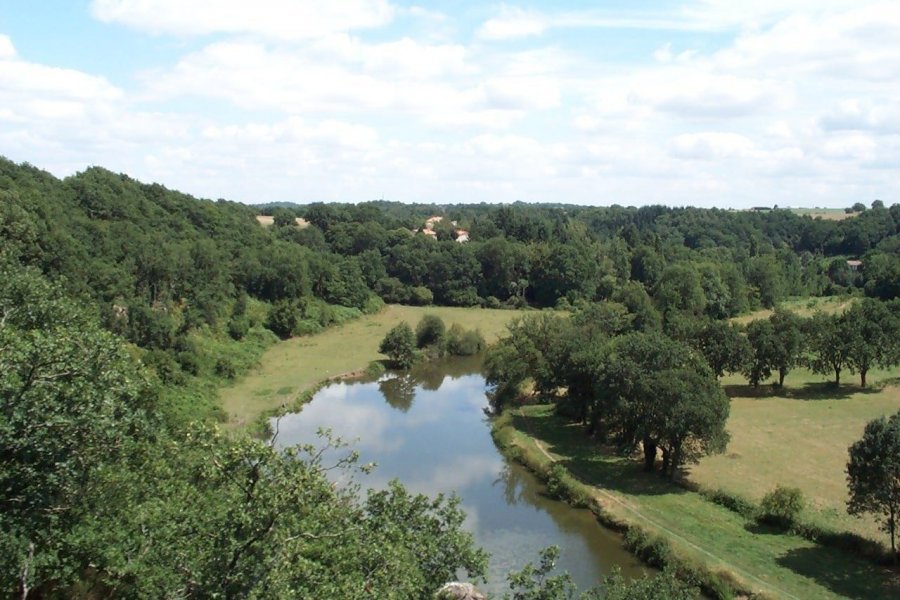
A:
[459,591]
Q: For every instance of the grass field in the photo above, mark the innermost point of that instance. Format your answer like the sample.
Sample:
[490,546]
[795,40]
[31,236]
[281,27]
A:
[827,214]
[290,367]
[799,436]
[783,566]
[804,307]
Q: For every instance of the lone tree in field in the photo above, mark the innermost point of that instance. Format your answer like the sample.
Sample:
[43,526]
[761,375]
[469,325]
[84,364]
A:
[873,474]
[400,345]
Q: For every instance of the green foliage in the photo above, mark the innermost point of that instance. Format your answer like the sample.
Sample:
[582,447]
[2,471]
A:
[781,506]
[828,348]
[399,344]
[723,345]
[873,474]
[464,343]
[537,583]
[72,401]
[283,319]
[873,337]
[430,331]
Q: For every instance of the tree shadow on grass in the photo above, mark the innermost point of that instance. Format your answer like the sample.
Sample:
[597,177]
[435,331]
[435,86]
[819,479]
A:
[808,391]
[591,462]
[847,576]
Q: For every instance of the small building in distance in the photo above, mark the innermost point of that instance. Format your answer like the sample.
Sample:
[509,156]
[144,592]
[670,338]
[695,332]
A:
[854,264]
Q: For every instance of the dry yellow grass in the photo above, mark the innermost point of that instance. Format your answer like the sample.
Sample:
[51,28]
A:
[290,367]
[269,220]
[827,214]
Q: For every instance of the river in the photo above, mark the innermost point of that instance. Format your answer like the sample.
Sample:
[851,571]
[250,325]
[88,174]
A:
[428,429]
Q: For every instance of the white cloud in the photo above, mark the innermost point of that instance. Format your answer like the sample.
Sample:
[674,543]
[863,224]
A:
[277,19]
[7,50]
[712,145]
[861,115]
[513,22]
[696,92]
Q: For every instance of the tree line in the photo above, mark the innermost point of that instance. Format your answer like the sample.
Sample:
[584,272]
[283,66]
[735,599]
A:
[635,380]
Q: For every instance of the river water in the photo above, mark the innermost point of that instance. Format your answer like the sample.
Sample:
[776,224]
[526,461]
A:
[428,429]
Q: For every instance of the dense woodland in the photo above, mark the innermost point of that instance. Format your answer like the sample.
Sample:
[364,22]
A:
[123,305]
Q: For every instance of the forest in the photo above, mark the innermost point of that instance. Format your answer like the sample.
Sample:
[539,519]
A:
[125,305]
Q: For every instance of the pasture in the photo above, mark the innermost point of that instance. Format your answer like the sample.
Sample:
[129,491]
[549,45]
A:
[290,367]
[798,436]
[777,564]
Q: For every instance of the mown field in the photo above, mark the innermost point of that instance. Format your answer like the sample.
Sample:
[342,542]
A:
[781,565]
[290,367]
[799,436]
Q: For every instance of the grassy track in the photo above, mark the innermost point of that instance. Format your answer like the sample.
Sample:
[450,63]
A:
[290,367]
[780,565]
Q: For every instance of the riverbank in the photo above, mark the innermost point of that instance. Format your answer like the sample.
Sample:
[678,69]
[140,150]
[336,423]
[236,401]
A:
[666,524]
[290,370]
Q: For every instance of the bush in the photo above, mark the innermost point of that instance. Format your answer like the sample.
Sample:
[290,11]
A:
[781,506]
[226,368]
[464,343]
[653,550]
[282,319]
[238,327]
[492,302]
[430,331]
[420,296]
[400,345]
[732,502]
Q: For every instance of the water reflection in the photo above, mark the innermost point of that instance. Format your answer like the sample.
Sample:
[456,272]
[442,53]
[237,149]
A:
[427,428]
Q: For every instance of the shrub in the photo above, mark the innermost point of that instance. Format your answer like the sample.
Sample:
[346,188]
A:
[464,343]
[282,319]
[238,327]
[781,506]
[492,302]
[430,331]
[226,368]
[420,296]
[400,345]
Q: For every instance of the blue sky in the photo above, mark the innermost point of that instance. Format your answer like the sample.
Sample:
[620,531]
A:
[700,102]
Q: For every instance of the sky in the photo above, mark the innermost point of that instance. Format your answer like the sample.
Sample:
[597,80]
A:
[713,103]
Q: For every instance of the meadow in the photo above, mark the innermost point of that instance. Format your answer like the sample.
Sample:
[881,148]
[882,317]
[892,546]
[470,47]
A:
[804,307]
[798,436]
[289,368]
[777,564]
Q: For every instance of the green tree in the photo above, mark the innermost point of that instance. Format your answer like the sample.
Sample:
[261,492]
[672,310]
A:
[829,344]
[657,392]
[873,474]
[873,337]
[789,342]
[283,318]
[679,289]
[763,348]
[399,344]
[430,330]
[71,402]
[538,583]
[724,346]
[765,275]
[282,217]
